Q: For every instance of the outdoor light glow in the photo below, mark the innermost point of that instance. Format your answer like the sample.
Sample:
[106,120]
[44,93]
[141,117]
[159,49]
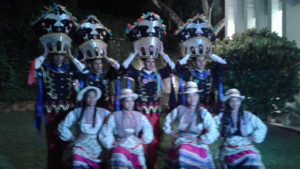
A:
[276,17]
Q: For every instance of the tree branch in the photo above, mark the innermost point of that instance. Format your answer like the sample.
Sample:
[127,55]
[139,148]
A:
[209,15]
[163,7]
[219,26]
[205,7]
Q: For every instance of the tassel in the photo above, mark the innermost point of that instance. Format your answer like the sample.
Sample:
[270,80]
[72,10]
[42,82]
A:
[128,84]
[117,101]
[181,97]
[172,96]
[31,73]
[39,106]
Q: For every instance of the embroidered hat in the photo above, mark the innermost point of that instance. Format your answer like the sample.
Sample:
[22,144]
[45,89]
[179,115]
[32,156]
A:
[146,34]
[125,93]
[92,36]
[84,90]
[54,27]
[232,93]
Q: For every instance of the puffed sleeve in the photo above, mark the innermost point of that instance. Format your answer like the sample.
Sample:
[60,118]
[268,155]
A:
[210,126]
[64,127]
[217,120]
[106,135]
[147,131]
[259,129]
[170,118]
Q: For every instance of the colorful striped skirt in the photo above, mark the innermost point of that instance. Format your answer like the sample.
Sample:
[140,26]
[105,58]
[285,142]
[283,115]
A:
[241,157]
[189,156]
[122,158]
[86,152]
[81,162]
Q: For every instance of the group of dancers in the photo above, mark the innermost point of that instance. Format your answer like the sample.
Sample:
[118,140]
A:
[127,135]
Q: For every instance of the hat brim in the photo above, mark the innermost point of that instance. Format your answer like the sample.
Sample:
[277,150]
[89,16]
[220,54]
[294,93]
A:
[134,96]
[187,92]
[225,98]
[83,91]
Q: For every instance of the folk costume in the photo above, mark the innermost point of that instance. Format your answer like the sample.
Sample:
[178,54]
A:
[195,41]
[92,37]
[193,130]
[54,82]
[125,133]
[146,35]
[86,149]
[236,150]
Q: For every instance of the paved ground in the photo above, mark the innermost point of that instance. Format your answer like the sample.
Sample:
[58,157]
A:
[22,148]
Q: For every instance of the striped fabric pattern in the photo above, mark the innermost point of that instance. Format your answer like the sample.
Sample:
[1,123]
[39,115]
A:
[243,158]
[122,158]
[84,163]
[189,156]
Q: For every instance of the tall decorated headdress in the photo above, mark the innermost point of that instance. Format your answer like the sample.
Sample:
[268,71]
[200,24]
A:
[92,36]
[146,34]
[196,36]
[55,27]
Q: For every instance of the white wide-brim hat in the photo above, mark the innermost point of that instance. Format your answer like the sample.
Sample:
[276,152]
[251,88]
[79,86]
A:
[232,93]
[125,93]
[84,90]
[191,87]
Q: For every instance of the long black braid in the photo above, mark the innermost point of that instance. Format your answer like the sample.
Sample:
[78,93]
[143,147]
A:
[227,121]
[84,107]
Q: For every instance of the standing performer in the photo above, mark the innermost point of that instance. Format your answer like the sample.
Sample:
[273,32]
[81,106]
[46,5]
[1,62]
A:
[238,130]
[92,37]
[196,36]
[194,130]
[54,78]
[125,133]
[89,120]
[146,35]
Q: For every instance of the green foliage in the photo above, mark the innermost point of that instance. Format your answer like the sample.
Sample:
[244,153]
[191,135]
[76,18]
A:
[293,107]
[263,66]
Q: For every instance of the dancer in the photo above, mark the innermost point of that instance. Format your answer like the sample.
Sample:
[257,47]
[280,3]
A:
[92,38]
[239,128]
[89,120]
[194,129]
[54,78]
[125,133]
[146,35]
[196,37]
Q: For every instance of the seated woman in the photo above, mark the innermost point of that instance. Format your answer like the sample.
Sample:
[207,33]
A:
[89,120]
[195,129]
[238,130]
[125,133]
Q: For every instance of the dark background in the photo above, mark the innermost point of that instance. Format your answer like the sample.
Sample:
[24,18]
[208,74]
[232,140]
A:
[19,44]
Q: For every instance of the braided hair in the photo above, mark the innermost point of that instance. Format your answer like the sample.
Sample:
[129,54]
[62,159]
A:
[84,105]
[227,121]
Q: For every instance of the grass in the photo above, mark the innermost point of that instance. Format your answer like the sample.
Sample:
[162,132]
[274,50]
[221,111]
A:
[22,148]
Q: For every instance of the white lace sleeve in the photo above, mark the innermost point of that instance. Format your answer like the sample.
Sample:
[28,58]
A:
[127,62]
[218,120]
[184,60]
[106,136]
[210,126]
[170,118]
[147,131]
[39,61]
[169,61]
[259,129]
[64,126]
[113,63]
[80,66]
